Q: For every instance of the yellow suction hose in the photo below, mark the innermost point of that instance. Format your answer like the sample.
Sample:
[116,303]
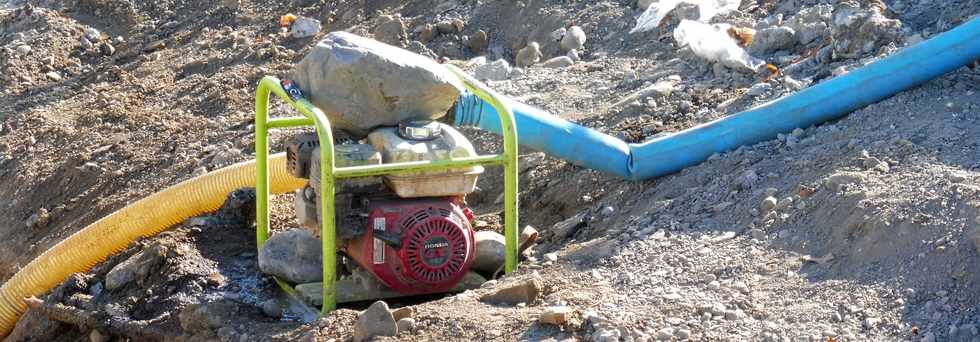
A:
[112,234]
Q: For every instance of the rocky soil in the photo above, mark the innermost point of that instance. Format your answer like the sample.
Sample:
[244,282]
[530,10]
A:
[861,229]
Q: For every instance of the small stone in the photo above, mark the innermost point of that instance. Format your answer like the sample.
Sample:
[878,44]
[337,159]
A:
[459,24]
[557,34]
[93,34]
[685,106]
[784,203]
[498,70]
[552,257]
[446,27]
[747,180]
[717,309]
[838,180]
[479,42]
[606,335]
[720,207]
[406,325]
[772,39]
[759,89]
[792,140]
[682,334]
[136,268]
[403,312]
[869,162]
[574,39]
[53,75]
[734,315]
[226,156]
[870,322]
[155,45]
[740,287]
[304,27]
[427,33]
[529,55]
[391,31]
[714,285]
[23,50]
[555,315]
[757,234]
[768,204]
[665,334]
[859,30]
[97,336]
[39,220]
[792,83]
[107,49]
[928,337]
[521,291]
[607,211]
[272,308]
[375,321]
[558,62]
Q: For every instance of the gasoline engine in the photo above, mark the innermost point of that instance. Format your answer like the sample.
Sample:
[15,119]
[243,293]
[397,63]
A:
[410,230]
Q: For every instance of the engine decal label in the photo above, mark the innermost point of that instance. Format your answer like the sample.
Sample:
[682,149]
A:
[435,251]
[379,246]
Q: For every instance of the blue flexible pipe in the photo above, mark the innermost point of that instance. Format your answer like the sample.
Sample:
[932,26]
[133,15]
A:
[825,101]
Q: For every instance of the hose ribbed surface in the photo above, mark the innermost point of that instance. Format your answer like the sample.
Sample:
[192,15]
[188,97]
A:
[114,233]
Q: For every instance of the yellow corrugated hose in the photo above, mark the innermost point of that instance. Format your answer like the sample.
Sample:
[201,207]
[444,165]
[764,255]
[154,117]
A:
[146,217]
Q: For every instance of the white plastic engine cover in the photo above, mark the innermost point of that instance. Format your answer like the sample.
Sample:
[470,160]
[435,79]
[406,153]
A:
[450,144]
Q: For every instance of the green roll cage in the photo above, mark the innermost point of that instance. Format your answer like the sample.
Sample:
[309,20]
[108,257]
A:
[313,116]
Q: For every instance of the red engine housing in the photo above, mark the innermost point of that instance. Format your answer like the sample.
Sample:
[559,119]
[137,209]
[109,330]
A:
[434,244]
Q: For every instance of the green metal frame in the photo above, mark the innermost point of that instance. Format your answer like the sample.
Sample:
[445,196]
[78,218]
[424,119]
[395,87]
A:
[329,173]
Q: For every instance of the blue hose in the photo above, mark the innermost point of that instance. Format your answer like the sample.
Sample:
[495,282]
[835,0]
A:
[825,101]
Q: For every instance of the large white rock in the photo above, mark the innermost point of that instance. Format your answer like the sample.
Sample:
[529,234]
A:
[294,255]
[497,70]
[360,83]
[490,249]
[574,39]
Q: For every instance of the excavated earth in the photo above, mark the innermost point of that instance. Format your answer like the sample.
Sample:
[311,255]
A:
[864,228]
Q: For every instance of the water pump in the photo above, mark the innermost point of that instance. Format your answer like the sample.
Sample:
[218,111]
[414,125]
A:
[411,231]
